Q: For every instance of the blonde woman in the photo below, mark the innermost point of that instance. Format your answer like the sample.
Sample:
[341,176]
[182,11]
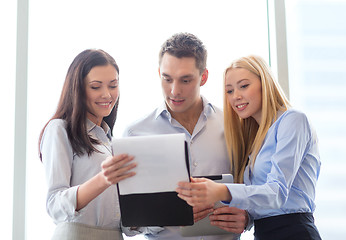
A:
[274,155]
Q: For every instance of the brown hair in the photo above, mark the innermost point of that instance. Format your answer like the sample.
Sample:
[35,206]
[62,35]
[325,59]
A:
[72,105]
[185,45]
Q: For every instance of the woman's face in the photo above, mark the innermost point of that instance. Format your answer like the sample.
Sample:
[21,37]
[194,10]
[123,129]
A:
[244,93]
[102,92]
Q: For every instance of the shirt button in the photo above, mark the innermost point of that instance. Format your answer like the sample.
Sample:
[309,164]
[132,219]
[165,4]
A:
[191,141]
[195,164]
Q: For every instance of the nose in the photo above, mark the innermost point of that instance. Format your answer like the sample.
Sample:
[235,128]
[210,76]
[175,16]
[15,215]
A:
[106,93]
[175,89]
[236,94]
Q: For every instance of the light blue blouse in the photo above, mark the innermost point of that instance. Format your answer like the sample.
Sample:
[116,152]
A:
[208,153]
[65,171]
[286,169]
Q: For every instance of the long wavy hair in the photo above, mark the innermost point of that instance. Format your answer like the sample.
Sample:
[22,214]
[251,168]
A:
[244,137]
[72,106]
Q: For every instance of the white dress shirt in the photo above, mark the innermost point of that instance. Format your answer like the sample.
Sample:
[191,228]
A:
[65,171]
[208,153]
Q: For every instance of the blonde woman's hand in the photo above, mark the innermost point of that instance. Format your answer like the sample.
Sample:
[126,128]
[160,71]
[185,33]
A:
[117,168]
[201,191]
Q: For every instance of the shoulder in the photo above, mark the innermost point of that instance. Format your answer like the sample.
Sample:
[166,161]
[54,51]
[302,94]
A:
[55,128]
[294,122]
[147,121]
[56,125]
[54,134]
[212,110]
[293,116]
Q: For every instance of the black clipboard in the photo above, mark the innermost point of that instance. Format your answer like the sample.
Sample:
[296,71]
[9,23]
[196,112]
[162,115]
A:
[156,209]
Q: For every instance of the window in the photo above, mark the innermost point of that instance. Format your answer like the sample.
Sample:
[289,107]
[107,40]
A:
[316,36]
[7,99]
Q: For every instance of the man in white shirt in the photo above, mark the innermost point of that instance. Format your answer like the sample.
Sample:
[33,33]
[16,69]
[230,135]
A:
[182,69]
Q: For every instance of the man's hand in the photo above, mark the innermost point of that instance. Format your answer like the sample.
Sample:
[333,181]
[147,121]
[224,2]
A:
[201,212]
[231,219]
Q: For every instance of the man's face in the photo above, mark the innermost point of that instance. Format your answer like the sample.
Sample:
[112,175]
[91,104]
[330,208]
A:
[181,82]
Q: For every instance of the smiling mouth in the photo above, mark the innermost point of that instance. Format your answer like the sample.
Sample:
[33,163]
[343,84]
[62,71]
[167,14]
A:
[241,107]
[105,104]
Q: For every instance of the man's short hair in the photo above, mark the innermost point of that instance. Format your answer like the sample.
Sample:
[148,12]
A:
[185,45]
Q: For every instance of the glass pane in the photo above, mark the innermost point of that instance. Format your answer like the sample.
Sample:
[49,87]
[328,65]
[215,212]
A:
[317,59]
[8,21]
[132,32]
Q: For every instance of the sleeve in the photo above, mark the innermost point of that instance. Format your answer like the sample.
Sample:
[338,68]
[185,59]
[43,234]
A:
[57,156]
[250,222]
[290,150]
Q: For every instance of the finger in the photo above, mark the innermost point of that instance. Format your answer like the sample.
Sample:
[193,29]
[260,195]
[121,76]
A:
[229,210]
[184,185]
[238,220]
[228,229]
[194,188]
[120,178]
[198,180]
[203,208]
[201,214]
[117,165]
[113,172]
[224,217]
[186,198]
[110,161]
[198,218]
[235,226]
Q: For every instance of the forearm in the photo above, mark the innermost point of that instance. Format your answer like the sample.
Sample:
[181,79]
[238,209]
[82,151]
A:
[90,190]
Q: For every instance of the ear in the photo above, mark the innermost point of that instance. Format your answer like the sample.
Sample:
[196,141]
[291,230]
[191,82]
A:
[204,77]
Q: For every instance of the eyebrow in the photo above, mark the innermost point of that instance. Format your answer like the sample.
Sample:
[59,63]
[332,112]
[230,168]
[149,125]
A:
[227,85]
[165,75]
[98,81]
[181,77]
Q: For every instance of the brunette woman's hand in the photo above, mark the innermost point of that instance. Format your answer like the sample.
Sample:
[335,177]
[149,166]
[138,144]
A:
[117,168]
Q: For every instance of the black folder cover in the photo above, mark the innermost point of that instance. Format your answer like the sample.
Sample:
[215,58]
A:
[155,209]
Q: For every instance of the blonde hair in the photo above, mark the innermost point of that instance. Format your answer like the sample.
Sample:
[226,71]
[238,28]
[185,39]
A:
[244,137]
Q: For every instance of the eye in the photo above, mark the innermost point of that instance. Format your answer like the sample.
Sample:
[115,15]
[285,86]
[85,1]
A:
[95,88]
[229,91]
[244,86]
[114,86]
[166,79]
[186,81]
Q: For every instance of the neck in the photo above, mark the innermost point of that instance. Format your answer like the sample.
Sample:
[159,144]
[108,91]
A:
[189,119]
